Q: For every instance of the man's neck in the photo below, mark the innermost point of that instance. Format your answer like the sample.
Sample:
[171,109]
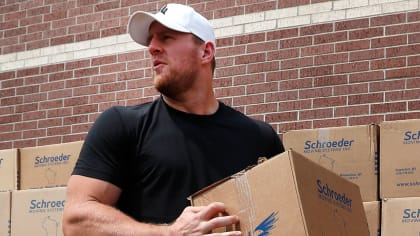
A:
[197,106]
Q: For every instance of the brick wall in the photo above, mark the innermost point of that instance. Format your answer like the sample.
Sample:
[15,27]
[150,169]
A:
[295,64]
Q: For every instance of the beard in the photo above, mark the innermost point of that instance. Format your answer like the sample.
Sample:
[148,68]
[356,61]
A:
[172,83]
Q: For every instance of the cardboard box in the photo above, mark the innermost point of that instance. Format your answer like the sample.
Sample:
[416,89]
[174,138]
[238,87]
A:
[400,159]
[8,169]
[401,216]
[373,216]
[38,212]
[5,203]
[48,166]
[289,195]
[351,152]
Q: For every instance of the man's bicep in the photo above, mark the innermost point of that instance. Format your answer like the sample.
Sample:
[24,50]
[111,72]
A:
[83,189]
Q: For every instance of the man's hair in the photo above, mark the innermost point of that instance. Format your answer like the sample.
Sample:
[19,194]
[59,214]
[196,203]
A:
[213,62]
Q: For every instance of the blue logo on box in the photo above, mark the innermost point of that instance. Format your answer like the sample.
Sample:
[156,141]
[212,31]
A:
[265,227]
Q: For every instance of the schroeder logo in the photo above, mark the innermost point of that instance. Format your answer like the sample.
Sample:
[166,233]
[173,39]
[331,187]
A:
[328,146]
[51,160]
[265,227]
[411,216]
[330,195]
[411,137]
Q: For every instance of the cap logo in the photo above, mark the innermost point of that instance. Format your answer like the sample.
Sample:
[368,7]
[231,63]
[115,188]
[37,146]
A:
[164,9]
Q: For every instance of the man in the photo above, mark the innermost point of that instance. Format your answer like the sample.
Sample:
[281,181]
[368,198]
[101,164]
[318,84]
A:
[139,164]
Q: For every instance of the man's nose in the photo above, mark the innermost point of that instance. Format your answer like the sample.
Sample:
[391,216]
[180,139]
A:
[154,46]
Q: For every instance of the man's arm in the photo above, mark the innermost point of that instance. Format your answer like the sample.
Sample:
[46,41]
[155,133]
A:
[89,211]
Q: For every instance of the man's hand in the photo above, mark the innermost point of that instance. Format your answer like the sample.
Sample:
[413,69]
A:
[201,220]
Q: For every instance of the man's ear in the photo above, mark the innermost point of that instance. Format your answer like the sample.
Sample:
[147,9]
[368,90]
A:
[208,52]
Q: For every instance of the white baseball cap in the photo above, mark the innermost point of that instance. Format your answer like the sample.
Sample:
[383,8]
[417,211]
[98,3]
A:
[177,17]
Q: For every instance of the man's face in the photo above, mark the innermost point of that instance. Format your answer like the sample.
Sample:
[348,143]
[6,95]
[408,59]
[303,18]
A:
[175,59]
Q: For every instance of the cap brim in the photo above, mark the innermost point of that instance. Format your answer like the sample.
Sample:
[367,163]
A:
[139,24]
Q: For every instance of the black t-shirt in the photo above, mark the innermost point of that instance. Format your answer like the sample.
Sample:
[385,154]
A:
[159,156]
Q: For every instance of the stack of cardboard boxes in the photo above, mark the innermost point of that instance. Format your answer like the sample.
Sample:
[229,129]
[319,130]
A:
[357,180]
[32,185]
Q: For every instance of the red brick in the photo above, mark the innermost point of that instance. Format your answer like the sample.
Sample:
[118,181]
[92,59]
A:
[282,75]
[387,85]
[330,38]
[414,38]
[296,84]
[59,112]
[413,60]
[293,3]
[64,93]
[351,89]
[404,72]
[281,117]
[351,67]
[298,125]
[52,85]
[315,92]
[413,83]
[261,47]
[112,87]
[282,96]
[229,91]
[86,72]
[323,123]
[263,67]
[366,98]
[347,111]
[34,115]
[388,63]
[75,119]
[388,107]
[50,122]
[49,140]
[27,72]
[36,97]
[414,106]
[249,38]
[51,104]
[296,42]
[248,79]
[402,116]
[39,27]
[75,101]
[250,58]
[402,29]
[36,80]
[258,7]
[248,99]
[11,101]
[331,58]
[34,133]
[366,76]
[86,90]
[366,33]
[316,71]
[58,77]
[297,63]
[316,29]
[389,41]
[413,16]
[262,88]
[130,94]
[7,93]
[100,98]
[388,19]
[317,50]
[283,54]
[316,114]
[230,71]
[261,108]
[330,80]
[58,131]
[43,10]
[52,68]
[37,44]
[366,120]
[403,50]
[5,76]
[352,45]
[282,34]
[367,54]
[112,68]
[352,24]
[62,40]
[27,90]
